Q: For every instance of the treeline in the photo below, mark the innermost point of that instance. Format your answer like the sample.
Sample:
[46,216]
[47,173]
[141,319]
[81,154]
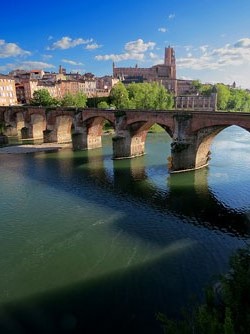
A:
[42,97]
[228,98]
[227,308]
[133,96]
[147,96]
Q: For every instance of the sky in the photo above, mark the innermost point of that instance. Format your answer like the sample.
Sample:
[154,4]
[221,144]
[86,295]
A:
[211,38]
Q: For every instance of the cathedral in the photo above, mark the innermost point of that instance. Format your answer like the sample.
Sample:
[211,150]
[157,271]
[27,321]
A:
[163,73]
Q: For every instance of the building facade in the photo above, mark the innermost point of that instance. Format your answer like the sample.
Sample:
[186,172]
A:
[163,73]
[7,91]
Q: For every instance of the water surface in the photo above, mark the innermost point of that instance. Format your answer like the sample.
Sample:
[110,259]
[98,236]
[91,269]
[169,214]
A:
[89,244]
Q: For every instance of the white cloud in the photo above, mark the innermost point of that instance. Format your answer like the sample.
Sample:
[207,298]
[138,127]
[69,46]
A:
[171,16]
[188,47]
[133,50]
[71,62]
[162,29]
[7,67]
[67,43]
[29,65]
[227,63]
[11,50]
[78,70]
[153,55]
[47,57]
[26,65]
[243,43]
[120,57]
[139,46]
[203,48]
[233,55]
[93,46]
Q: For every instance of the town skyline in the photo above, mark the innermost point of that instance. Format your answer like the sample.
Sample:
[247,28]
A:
[211,39]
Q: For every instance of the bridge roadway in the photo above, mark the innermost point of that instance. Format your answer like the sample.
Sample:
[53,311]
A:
[192,132]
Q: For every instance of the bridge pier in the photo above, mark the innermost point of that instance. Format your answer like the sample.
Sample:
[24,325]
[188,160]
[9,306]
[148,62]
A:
[191,150]
[128,142]
[127,146]
[58,129]
[184,156]
[83,141]
[49,136]
[20,125]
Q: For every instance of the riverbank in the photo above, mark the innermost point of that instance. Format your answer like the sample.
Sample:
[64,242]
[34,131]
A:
[29,148]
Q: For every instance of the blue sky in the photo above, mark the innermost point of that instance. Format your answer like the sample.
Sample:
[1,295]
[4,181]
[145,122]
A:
[211,38]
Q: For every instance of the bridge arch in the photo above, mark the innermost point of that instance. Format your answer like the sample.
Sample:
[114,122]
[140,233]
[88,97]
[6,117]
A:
[139,132]
[89,130]
[130,140]
[205,137]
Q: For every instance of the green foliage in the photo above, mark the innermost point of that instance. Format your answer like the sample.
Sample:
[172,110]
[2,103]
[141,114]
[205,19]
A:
[202,89]
[233,99]
[197,85]
[41,97]
[78,100]
[67,100]
[147,96]
[156,128]
[103,105]
[92,102]
[207,90]
[223,95]
[228,98]
[119,96]
[228,315]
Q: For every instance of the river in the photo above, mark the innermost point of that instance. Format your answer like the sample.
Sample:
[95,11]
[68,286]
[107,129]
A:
[93,245]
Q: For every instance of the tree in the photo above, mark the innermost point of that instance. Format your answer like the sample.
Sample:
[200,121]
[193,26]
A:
[67,100]
[77,100]
[149,96]
[223,95]
[164,99]
[119,96]
[226,311]
[80,100]
[103,105]
[197,85]
[42,97]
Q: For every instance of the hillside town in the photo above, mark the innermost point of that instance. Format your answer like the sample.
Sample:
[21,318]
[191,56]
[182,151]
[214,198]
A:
[19,85]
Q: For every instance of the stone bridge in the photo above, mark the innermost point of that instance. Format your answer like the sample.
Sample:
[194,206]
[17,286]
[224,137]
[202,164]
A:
[192,132]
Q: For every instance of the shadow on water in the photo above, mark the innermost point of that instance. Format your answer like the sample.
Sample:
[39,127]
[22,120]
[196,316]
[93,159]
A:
[125,301]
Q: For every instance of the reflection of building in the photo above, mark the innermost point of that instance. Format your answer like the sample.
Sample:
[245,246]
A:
[7,91]
[163,73]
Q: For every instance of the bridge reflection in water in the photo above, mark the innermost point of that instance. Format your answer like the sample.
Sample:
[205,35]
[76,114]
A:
[173,218]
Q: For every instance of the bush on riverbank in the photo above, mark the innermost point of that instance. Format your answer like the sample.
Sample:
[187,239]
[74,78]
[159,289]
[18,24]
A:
[226,310]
